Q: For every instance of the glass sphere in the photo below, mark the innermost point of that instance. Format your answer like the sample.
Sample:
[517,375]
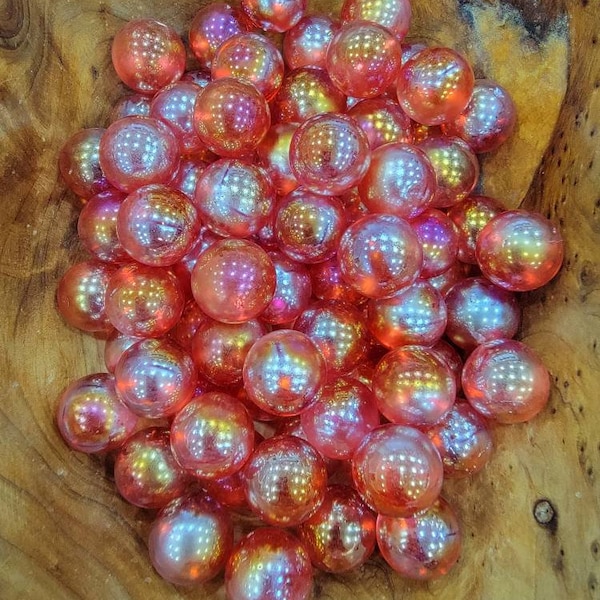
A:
[305,44]
[116,343]
[409,49]
[187,176]
[506,381]
[392,14]
[228,491]
[452,358]
[233,281]
[274,15]
[363,59]
[132,105]
[269,564]
[91,417]
[191,319]
[444,282]
[285,481]
[519,250]
[274,156]
[383,121]
[397,470]
[439,241]
[423,546]
[329,284]
[435,85]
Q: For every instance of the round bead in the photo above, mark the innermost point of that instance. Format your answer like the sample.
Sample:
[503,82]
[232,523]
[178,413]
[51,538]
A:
[439,241]
[274,156]
[305,44]
[392,14]
[274,15]
[382,120]
[132,105]
[116,344]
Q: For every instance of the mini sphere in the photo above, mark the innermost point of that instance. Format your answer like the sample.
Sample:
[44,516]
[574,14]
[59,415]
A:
[234,198]
[219,349]
[397,470]
[422,546]
[329,284]
[292,290]
[146,472]
[190,540]
[463,439]
[79,163]
[308,226]
[81,296]
[469,217]
[394,15]
[452,358]
[488,120]
[274,156]
[415,314]
[212,436]
[269,564]
[305,44]
[252,58]
[285,481]
[305,93]
[444,282]
[187,326]
[274,15]
[116,343]
[228,491]
[520,250]
[187,176]
[284,373]
[505,381]
[339,331]
[144,301]
[90,416]
[155,378]
[340,536]
[132,105]
[380,254]
[343,416]
[479,312]
[435,85]
[137,151]
[233,281]
[363,59]
[439,241]
[456,168]
[400,181]
[383,121]
[148,55]
[174,105]
[231,117]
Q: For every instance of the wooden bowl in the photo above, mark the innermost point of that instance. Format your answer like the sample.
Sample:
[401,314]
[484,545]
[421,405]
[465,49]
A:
[531,520]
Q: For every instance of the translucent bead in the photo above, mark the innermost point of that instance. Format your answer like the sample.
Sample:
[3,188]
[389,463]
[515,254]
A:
[439,241]
[305,44]
[274,15]
[383,121]
[274,156]
[392,14]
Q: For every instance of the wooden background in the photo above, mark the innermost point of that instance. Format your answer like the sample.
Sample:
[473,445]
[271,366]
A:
[65,534]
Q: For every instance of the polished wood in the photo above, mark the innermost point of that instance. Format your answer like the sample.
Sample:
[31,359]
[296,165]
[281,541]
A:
[65,534]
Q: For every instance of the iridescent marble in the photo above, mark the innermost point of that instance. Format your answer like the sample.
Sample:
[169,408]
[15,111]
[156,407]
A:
[186,177]
[116,344]
[274,156]
[305,44]
[394,15]
[191,319]
[274,15]
[328,283]
[383,121]
[132,105]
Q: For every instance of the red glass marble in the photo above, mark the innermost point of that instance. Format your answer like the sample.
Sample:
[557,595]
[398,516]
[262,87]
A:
[233,280]
[285,481]
[90,416]
[394,15]
[363,59]
[505,381]
[284,373]
[146,472]
[190,540]
[435,85]
[400,181]
[144,301]
[269,564]
[383,121]
[148,55]
[305,44]
[187,176]
[328,283]
[343,416]
[191,319]
[340,536]
[116,343]
[397,470]
[274,156]
[231,117]
[274,15]
[81,293]
[439,241]
[423,546]
[380,254]
[132,105]
[212,436]
[519,250]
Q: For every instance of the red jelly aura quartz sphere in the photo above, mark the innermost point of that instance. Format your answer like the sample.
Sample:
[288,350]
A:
[382,120]
[231,117]
[155,378]
[91,417]
[284,373]
[148,55]
[519,250]
[269,564]
[274,156]
[392,14]
[190,540]
[233,280]
[397,470]
[274,15]
[305,44]
[435,85]
[213,436]
[285,480]
[422,546]
[144,301]
[414,386]
[340,536]
[363,59]
[380,254]
[137,151]
[329,154]
[439,241]
[506,381]
[146,472]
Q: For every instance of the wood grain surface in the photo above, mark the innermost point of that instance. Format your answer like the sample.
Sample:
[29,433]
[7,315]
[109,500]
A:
[64,532]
